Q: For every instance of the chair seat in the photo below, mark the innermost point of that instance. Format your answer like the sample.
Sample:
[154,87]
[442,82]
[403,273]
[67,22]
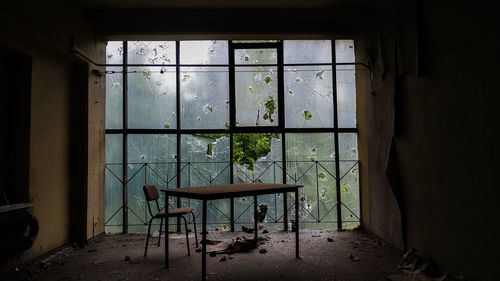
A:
[174,212]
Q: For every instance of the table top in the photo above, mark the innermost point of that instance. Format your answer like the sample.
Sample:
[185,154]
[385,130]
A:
[230,190]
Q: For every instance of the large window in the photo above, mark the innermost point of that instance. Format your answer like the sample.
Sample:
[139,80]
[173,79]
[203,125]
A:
[196,113]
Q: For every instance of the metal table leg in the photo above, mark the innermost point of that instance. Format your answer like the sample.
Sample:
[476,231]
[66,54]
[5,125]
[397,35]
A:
[204,244]
[166,230]
[255,218]
[297,223]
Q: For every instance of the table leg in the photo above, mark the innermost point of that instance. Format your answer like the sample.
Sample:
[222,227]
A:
[285,212]
[297,223]
[166,230]
[204,244]
[255,226]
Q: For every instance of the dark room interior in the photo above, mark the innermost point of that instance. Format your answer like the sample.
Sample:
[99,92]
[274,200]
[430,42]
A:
[365,127]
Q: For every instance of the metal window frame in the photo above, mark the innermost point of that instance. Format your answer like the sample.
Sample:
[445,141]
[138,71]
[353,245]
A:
[233,129]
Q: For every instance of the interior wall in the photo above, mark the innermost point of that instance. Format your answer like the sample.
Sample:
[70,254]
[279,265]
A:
[434,94]
[48,33]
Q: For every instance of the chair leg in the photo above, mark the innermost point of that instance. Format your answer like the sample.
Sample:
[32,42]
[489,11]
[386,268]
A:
[187,234]
[159,237]
[195,234]
[147,237]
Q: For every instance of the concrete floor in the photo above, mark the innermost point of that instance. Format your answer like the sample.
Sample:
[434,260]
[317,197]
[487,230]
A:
[352,256]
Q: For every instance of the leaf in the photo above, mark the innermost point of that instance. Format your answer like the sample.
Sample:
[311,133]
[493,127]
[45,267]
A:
[345,188]
[267,79]
[313,150]
[312,159]
[321,175]
[265,116]
[209,149]
[167,126]
[307,115]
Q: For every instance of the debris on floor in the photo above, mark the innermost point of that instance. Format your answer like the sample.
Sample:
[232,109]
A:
[262,212]
[416,268]
[329,239]
[353,258]
[224,258]
[247,229]
[262,251]
[222,228]
[237,245]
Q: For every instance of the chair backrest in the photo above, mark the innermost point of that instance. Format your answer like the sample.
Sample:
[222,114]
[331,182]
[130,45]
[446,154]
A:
[151,192]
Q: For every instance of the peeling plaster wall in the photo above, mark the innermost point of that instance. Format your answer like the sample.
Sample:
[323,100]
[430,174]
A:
[59,171]
[435,90]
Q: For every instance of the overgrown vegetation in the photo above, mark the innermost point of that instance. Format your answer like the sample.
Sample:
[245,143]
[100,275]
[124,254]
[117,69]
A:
[247,148]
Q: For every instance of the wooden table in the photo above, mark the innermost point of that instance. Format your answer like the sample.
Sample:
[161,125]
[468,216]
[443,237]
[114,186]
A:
[206,193]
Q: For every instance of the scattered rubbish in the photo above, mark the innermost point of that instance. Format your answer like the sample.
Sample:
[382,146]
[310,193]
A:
[127,258]
[265,231]
[224,258]
[329,239]
[294,225]
[353,258]
[155,234]
[316,235]
[222,228]
[247,229]
[262,251]
[261,212]
[212,254]
[416,268]
[198,250]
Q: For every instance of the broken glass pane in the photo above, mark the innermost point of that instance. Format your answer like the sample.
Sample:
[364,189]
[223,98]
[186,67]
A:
[204,97]
[346,83]
[349,192]
[148,154]
[348,146]
[307,51]
[258,158]
[346,96]
[114,98]
[308,97]
[349,184]
[255,56]
[310,162]
[256,96]
[151,52]
[114,52]
[113,183]
[205,162]
[204,52]
[152,98]
[344,51]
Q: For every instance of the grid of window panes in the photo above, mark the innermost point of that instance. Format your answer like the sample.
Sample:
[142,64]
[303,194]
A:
[195,113]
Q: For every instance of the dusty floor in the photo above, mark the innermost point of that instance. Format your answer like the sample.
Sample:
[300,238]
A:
[351,256]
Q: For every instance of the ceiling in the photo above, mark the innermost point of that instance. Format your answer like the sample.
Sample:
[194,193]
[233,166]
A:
[226,4]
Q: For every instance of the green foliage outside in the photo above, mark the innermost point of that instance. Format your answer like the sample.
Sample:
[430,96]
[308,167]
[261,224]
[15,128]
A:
[247,148]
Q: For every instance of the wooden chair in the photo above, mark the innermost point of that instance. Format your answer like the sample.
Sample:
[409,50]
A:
[151,193]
